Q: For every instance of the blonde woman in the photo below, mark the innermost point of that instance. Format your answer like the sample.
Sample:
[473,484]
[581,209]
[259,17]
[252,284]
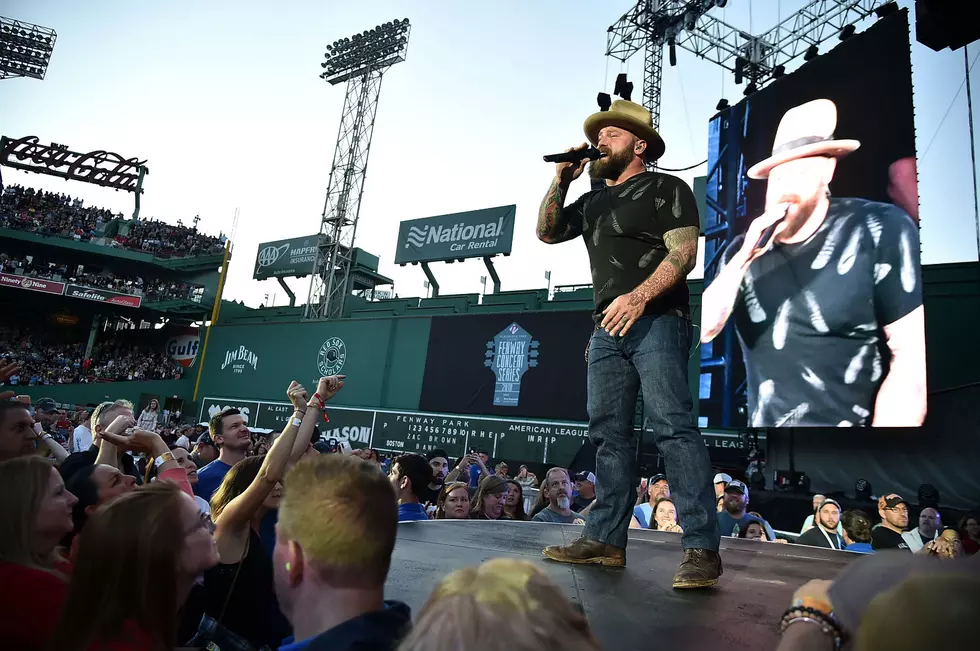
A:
[513,599]
[36,514]
[149,417]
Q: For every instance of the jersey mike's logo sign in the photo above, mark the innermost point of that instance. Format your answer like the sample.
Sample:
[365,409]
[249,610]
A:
[460,235]
[509,355]
[239,359]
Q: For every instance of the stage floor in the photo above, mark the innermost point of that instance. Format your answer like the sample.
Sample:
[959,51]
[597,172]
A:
[635,607]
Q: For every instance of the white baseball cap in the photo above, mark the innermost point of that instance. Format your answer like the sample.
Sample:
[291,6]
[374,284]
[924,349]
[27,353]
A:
[722,478]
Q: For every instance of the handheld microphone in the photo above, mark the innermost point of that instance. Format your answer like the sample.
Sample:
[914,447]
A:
[575,156]
[770,230]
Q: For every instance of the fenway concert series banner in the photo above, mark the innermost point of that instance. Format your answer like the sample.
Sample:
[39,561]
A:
[32,284]
[102,296]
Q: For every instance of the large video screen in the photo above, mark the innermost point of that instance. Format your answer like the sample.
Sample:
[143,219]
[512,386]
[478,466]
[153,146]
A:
[529,365]
[812,311]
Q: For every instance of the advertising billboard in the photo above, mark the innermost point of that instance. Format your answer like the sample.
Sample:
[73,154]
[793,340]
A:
[286,258]
[812,309]
[473,234]
[102,295]
[397,431]
[32,284]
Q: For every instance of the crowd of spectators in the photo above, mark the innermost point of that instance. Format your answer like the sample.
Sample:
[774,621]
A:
[44,359]
[156,289]
[59,215]
[196,522]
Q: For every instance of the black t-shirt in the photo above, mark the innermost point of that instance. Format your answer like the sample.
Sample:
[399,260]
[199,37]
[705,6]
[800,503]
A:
[429,495]
[810,316]
[885,538]
[580,503]
[814,537]
[623,227]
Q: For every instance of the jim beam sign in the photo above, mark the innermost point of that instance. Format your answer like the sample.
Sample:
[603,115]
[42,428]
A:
[453,237]
[239,359]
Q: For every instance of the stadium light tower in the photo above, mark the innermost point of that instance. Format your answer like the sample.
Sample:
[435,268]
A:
[25,49]
[361,61]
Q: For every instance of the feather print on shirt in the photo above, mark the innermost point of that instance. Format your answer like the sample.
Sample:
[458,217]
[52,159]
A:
[827,250]
[647,257]
[660,201]
[781,327]
[756,312]
[637,189]
[793,417]
[874,225]
[616,263]
[615,222]
[881,270]
[813,379]
[908,267]
[876,366]
[816,317]
[849,255]
[676,209]
[766,391]
[856,365]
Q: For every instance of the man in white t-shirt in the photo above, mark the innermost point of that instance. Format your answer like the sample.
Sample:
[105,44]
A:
[81,438]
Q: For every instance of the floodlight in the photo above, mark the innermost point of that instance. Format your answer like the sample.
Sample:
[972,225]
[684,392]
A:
[722,104]
[25,49]
[847,32]
[778,71]
[812,53]
[382,46]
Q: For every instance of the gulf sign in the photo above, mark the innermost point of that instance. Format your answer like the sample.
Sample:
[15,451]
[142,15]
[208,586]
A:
[183,349]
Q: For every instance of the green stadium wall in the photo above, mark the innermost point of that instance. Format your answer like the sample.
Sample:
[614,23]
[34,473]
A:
[91,394]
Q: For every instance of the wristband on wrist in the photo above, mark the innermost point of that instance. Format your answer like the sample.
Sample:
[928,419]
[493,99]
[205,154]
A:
[164,458]
[828,623]
[295,422]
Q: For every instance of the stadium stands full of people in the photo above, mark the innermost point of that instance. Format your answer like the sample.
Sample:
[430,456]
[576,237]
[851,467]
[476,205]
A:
[59,215]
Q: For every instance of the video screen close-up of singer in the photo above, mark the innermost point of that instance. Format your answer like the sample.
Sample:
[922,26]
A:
[819,288]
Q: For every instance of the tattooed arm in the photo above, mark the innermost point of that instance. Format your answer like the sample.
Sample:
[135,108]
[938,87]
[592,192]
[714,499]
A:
[718,299]
[682,247]
[682,253]
[555,222]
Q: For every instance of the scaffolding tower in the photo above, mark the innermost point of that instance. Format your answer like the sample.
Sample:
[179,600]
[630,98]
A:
[361,61]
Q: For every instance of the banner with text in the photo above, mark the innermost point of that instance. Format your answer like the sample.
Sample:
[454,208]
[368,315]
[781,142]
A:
[32,284]
[473,234]
[286,258]
[102,296]
[527,441]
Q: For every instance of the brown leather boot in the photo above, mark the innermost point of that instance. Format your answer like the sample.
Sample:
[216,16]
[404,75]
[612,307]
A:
[587,551]
[699,569]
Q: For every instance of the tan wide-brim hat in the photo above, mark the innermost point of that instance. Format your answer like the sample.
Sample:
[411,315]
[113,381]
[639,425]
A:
[631,117]
[805,130]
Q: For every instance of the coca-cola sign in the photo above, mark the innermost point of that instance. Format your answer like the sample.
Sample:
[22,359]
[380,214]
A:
[32,284]
[102,296]
[103,168]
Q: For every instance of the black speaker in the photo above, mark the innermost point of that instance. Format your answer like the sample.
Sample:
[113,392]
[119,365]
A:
[945,23]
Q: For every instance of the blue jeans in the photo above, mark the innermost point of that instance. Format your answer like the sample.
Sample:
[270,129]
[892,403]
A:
[652,357]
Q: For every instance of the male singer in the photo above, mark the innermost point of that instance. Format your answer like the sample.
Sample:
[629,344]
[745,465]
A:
[641,231]
[815,305]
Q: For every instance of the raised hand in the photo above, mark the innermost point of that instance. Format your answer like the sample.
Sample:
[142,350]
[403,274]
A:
[298,395]
[135,439]
[328,386]
[8,370]
[119,426]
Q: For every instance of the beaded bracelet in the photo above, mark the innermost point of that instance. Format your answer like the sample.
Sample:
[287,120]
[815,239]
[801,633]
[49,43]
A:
[826,621]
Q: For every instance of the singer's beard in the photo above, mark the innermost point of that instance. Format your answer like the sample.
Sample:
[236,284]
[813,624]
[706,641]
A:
[563,502]
[611,166]
[798,213]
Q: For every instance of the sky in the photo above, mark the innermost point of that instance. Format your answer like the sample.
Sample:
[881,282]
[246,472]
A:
[223,100]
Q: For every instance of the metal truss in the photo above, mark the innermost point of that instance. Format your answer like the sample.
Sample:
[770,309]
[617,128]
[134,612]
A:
[330,283]
[686,24]
[25,49]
